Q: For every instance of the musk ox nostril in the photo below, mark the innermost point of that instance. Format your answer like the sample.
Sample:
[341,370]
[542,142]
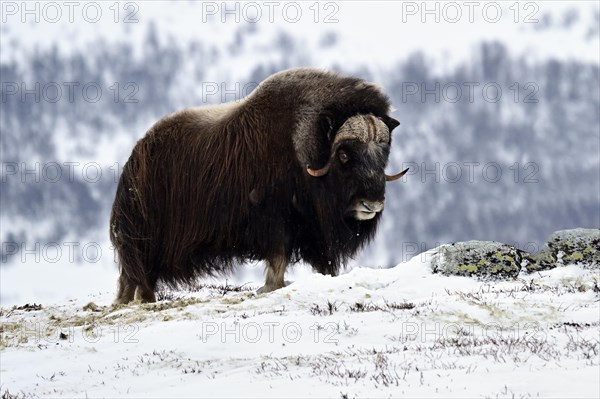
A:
[372,206]
[366,205]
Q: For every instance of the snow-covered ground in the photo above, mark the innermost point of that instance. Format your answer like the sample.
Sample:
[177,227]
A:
[367,333]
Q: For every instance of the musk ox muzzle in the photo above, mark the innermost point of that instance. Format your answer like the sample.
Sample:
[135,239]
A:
[366,210]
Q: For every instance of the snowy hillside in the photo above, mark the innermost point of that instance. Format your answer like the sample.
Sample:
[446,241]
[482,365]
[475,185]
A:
[369,333]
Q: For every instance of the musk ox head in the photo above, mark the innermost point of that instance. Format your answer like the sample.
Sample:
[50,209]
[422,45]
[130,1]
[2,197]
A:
[359,154]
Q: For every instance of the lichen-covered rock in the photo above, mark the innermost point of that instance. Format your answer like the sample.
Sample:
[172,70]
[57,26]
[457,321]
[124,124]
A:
[481,259]
[580,246]
[544,260]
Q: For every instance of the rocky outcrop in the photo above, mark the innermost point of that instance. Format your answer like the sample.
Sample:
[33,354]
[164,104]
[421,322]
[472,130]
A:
[496,261]
[483,259]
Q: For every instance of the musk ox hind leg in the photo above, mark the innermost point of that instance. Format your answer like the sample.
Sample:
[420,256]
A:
[144,294]
[128,291]
[275,269]
[125,290]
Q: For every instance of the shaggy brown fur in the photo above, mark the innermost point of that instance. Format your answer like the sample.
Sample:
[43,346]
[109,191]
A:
[210,187]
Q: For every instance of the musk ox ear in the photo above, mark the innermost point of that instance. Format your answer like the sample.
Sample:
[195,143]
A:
[390,122]
[326,126]
[313,137]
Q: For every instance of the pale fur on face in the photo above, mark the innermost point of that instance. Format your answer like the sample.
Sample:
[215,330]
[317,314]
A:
[366,210]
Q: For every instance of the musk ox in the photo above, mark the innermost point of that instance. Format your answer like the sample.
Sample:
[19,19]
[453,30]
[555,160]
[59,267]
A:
[295,171]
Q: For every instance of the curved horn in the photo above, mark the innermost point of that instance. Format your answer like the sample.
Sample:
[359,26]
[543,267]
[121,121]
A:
[397,176]
[325,169]
[318,172]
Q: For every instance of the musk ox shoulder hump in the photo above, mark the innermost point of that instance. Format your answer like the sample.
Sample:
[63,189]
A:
[321,88]
[195,119]
[309,95]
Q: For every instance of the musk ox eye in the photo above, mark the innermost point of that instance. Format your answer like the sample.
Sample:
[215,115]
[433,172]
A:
[343,156]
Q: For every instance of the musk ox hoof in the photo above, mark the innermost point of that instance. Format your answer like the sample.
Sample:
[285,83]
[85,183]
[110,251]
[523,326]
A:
[271,287]
[266,289]
[131,293]
[119,301]
[144,295]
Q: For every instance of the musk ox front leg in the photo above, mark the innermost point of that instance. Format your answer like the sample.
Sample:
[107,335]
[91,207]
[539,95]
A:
[275,270]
